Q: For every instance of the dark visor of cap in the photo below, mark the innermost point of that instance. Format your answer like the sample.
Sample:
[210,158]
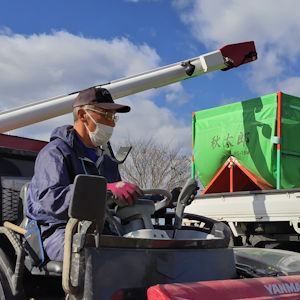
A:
[99,97]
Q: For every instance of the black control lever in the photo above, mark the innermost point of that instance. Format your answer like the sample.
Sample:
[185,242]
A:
[185,198]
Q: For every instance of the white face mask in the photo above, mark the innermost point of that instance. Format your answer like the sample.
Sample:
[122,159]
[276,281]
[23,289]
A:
[102,133]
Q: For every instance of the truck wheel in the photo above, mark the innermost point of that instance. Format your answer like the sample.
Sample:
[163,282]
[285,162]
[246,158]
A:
[5,289]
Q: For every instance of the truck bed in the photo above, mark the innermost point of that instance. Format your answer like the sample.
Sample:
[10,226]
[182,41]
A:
[250,207]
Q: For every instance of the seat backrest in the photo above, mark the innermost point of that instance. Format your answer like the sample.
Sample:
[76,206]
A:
[88,199]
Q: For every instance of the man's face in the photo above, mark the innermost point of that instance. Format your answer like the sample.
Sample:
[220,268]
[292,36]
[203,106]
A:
[101,116]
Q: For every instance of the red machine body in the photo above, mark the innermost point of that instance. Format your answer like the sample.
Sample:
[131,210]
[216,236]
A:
[286,287]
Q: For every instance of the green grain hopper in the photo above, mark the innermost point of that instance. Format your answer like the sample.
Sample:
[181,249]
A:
[261,133]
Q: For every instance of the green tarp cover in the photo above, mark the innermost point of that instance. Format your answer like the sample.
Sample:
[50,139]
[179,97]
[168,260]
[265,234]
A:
[245,130]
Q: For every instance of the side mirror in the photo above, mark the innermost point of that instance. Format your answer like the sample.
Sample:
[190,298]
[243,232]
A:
[121,154]
[88,199]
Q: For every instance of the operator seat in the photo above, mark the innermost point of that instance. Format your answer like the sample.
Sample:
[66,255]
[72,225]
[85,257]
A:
[51,267]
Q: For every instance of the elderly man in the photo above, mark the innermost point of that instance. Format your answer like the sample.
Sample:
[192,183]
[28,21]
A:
[75,150]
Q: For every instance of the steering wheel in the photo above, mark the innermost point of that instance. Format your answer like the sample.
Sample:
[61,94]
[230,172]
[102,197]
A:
[158,205]
[161,203]
[143,209]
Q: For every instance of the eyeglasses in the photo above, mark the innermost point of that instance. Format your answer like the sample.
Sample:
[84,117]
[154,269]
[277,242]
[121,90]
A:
[107,115]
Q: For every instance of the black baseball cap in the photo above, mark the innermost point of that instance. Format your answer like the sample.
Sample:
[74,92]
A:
[99,97]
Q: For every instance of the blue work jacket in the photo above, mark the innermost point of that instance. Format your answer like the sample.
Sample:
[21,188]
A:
[56,166]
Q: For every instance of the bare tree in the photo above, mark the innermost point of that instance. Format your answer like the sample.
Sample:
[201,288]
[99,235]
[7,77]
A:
[153,165]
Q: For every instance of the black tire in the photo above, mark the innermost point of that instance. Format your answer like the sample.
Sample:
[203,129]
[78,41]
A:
[5,282]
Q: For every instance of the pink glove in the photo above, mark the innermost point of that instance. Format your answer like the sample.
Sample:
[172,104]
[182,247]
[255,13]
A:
[127,193]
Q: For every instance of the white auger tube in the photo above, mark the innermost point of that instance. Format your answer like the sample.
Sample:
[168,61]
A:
[225,58]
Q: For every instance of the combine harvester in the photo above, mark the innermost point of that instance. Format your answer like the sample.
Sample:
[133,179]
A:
[143,261]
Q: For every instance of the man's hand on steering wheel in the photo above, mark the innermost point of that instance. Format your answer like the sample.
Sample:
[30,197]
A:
[124,193]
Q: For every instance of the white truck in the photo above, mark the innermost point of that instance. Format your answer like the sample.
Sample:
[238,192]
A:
[247,155]
[259,218]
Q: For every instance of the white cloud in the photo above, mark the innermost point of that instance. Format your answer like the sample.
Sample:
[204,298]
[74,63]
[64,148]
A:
[290,86]
[149,120]
[175,93]
[273,25]
[37,67]
[180,4]
[5,31]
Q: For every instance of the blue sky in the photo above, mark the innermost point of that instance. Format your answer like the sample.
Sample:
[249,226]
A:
[50,48]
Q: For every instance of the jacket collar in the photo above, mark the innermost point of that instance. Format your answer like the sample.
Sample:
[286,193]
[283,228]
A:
[68,134]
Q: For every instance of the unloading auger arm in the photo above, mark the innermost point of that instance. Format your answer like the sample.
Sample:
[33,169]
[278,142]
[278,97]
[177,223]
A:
[227,57]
